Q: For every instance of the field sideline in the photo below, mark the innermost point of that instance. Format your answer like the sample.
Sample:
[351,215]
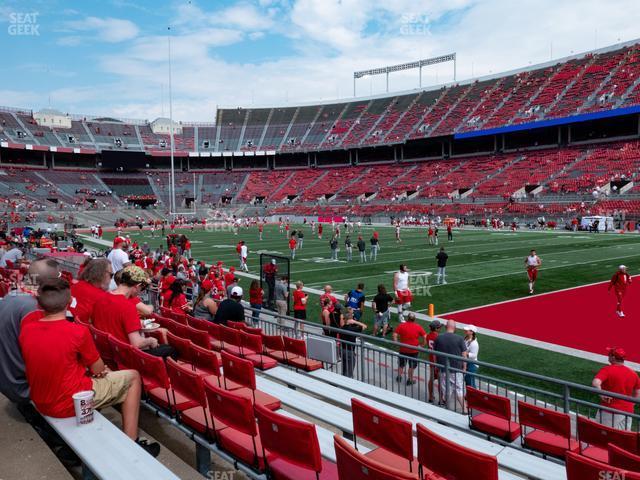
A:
[484,267]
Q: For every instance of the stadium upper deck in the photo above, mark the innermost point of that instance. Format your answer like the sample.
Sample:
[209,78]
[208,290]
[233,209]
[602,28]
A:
[603,80]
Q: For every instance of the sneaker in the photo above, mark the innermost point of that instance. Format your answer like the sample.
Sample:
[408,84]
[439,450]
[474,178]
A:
[444,282]
[410,382]
[618,312]
[152,448]
[622,314]
[399,378]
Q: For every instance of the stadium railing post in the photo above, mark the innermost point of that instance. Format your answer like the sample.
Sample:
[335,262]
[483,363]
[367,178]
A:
[362,358]
[566,395]
[203,460]
[447,368]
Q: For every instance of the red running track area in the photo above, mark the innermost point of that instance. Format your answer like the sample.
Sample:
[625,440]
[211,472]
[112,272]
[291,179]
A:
[583,318]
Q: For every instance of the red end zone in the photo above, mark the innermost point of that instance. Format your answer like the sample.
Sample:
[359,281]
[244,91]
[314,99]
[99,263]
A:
[583,318]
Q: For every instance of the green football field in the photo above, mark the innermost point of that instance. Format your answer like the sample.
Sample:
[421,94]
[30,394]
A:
[484,267]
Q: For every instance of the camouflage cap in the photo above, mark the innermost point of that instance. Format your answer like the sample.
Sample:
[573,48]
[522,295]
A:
[134,274]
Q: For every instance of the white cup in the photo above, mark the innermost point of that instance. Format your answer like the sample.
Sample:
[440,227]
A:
[83,405]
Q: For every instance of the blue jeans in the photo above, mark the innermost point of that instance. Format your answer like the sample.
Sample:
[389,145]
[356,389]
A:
[255,316]
[470,378]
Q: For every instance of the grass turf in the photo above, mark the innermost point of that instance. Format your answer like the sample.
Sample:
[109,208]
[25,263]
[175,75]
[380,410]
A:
[484,266]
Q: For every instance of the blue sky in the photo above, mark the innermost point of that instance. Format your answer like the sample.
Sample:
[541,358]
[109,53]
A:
[109,57]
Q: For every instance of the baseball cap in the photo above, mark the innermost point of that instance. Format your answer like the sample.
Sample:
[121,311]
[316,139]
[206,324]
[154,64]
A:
[622,267]
[471,328]
[617,352]
[236,292]
[134,274]
[232,269]
[207,285]
[435,324]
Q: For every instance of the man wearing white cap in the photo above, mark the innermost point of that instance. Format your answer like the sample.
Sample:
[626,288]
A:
[620,281]
[230,309]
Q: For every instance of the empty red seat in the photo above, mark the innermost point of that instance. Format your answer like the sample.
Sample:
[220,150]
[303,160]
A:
[237,325]
[353,465]
[299,358]
[392,436]
[199,337]
[241,372]
[234,424]
[580,467]
[274,347]
[122,354]
[101,339]
[621,458]
[253,350]
[156,383]
[231,341]
[551,430]
[292,448]
[449,460]
[597,437]
[495,414]
[188,384]
[181,345]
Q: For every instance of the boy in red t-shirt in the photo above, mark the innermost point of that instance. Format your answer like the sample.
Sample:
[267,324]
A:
[409,333]
[58,354]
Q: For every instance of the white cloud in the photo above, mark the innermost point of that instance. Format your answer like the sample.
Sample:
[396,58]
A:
[331,39]
[111,30]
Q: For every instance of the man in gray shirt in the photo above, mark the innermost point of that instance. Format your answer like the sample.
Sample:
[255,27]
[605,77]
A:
[281,296]
[452,344]
[13,308]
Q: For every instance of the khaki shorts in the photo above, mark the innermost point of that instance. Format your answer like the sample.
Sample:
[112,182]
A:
[111,389]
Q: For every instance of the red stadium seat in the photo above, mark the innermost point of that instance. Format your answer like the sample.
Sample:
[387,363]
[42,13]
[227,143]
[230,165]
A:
[392,436]
[241,372]
[155,381]
[181,345]
[252,350]
[178,329]
[231,341]
[352,465]
[237,325]
[197,323]
[619,457]
[199,337]
[101,339]
[449,460]
[274,347]
[122,354]
[552,430]
[253,331]
[291,447]
[164,322]
[235,425]
[188,384]
[598,437]
[298,348]
[495,417]
[216,336]
[580,467]
[205,362]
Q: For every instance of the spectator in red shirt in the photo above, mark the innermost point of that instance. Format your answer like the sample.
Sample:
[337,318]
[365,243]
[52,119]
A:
[116,315]
[300,303]
[55,374]
[409,333]
[328,293]
[177,300]
[617,378]
[256,296]
[92,285]
[229,276]
[434,326]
